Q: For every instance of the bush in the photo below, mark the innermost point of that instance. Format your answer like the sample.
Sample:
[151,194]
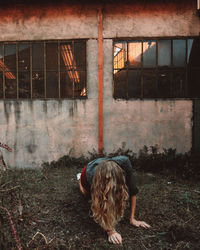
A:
[168,162]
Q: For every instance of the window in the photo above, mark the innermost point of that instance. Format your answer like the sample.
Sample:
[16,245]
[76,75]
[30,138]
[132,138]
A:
[157,68]
[49,69]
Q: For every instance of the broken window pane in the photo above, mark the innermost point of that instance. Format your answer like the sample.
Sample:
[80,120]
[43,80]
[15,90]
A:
[164,53]
[135,53]
[120,56]
[164,84]
[10,57]
[52,85]
[24,84]
[52,56]
[10,85]
[80,55]
[38,84]
[66,84]
[1,84]
[179,49]
[38,56]
[149,84]
[24,56]
[149,53]
[80,84]
[134,84]
[120,84]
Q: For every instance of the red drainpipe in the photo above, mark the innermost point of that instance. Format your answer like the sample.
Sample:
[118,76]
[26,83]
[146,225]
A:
[100,81]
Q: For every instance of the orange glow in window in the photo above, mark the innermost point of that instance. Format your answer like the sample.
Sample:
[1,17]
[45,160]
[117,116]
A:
[70,63]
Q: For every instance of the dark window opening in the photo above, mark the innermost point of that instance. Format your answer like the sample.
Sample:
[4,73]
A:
[43,70]
[158,68]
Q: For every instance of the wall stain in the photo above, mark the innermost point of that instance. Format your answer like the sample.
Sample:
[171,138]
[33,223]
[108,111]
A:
[71,111]
[30,104]
[7,110]
[17,112]
[45,107]
[31,148]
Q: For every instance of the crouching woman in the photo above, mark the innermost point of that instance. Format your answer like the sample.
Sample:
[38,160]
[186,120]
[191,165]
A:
[110,182]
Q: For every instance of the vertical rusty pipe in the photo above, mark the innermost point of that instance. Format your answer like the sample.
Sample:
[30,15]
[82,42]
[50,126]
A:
[100,81]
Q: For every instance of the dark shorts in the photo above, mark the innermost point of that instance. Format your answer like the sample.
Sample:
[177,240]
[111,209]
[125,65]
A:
[84,181]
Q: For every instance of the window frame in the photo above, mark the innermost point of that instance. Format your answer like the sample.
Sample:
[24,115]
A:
[171,69]
[44,71]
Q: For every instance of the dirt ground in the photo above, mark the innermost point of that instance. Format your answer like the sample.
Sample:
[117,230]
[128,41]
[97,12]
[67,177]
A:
[49,212]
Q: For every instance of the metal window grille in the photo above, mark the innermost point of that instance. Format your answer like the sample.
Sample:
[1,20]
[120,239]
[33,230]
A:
[43,70]
[156,68]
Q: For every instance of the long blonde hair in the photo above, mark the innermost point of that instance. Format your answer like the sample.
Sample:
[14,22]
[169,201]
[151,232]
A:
[108,194]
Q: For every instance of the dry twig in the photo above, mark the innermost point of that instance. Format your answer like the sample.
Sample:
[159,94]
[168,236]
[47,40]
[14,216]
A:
[19,247]
[10,189]
[43,236]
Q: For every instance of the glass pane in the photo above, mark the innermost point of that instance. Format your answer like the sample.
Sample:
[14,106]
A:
[10,57]
[10,85]
[1,69]
[52,56]
[52,85]
[66,84]
[80,84]
[134,53]
[149,53]
[66,56]
[120,55]
[120,84]
[194,52]
[1,55]
[38,84]
[149,84]
[24,85]
[80,55]
[38,56]
[194,83]
[134,83]
[179,48]
[164,84]
[178,83]
[24,56]
[164,53]
[189,48]
[1,84]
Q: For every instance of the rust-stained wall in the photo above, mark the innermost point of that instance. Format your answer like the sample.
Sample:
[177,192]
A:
[151,19]
[41,130]
[43,22]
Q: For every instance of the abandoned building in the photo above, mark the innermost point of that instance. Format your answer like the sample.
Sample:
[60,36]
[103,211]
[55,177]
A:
[82,75]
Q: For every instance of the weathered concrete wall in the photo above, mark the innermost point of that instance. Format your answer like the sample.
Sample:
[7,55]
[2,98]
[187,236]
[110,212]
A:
[43,22]
[46,130]
[135,123]
[41,131]
[152,19]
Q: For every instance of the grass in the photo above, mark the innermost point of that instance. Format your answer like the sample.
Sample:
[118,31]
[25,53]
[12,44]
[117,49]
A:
[49,212]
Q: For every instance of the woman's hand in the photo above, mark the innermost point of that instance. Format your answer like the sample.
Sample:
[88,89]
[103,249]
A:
[114,237]
[138,223]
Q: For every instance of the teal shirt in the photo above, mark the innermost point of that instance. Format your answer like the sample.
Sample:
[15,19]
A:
[123,162]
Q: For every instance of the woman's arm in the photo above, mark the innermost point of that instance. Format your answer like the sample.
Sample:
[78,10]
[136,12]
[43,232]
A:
[133,221]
